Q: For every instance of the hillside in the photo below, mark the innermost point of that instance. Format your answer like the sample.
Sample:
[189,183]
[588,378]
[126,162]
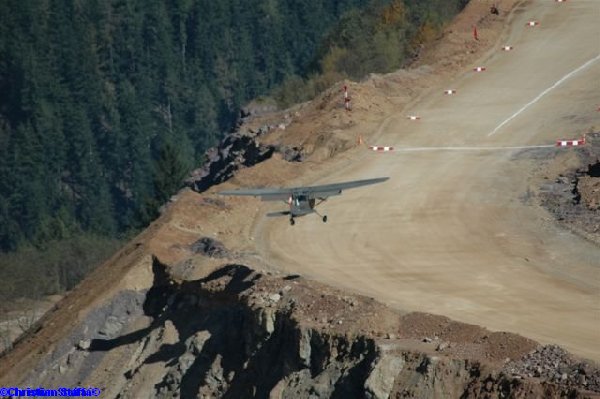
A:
[163,318]
[106,107]
[94,95]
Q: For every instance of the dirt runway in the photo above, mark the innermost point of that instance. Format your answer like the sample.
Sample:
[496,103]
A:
[452,232]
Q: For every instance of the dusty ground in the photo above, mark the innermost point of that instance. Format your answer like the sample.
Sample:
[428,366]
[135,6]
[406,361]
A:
[450,232]
[589,187]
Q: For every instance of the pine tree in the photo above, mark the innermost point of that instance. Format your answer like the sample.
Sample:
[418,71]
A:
[169,172]
[91,91]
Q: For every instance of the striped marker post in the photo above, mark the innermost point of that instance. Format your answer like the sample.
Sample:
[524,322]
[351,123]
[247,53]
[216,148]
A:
[507,48]
[479,69]
[413,117]
[571,143]
[449,92]
[347,104]
[532,23]
[381,149]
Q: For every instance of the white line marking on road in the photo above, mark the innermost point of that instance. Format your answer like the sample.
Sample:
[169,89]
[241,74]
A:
[542,94]
[416,149]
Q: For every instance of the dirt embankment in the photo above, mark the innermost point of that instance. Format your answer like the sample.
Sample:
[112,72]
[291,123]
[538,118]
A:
[571,188]
[239,333]
[322,129]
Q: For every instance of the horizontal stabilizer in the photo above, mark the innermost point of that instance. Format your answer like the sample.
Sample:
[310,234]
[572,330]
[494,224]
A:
[275,214]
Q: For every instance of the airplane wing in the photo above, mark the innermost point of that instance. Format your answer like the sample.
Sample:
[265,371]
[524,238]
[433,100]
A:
[328,190]
[322,191]
[265,194]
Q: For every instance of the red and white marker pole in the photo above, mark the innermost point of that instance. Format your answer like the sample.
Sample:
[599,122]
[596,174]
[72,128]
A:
[413,117]
[381,149]
[449,92]
[479,69]
[532,23]
[507,48]
[571,143]
[347,104]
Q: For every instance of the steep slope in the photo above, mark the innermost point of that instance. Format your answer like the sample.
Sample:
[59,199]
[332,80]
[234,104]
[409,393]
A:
[240,333]
[161,319]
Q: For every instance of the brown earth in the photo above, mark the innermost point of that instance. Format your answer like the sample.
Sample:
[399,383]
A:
[453,232]
[449,234]
[570,188]
[237,332]
[589,189]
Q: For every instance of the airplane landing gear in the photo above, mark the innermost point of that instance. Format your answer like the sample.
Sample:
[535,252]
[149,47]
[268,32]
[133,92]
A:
[292,221]
[323,217]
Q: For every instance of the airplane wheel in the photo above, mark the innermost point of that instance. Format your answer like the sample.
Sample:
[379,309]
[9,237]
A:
[325,219]
[292,222]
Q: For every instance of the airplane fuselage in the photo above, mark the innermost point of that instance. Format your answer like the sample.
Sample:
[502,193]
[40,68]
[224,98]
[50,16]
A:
[301,205]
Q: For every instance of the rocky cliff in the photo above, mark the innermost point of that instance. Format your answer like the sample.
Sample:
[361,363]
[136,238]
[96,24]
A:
[240,333]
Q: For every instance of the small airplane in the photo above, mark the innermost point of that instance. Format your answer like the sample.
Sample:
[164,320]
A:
[302,200]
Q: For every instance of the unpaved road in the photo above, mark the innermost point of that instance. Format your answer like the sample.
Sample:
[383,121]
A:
[452,232]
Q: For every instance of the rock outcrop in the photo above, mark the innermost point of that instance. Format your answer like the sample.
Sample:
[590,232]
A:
[239,333]
[240,149]
[552,363]
[210,247]
[573,197]
[237,150]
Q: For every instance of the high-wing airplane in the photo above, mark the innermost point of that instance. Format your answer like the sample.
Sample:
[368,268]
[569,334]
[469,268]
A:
[302,200]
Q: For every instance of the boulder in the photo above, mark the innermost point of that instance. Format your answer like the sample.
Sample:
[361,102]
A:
[84,344]
[380,382]
[111,327]
[209,247]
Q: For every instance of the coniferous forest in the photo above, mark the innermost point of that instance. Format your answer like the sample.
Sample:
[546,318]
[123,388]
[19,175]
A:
[106,105]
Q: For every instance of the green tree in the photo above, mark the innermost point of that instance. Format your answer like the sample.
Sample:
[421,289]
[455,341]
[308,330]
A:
[169,172]
[90,92]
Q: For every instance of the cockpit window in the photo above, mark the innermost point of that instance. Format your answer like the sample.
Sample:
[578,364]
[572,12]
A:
[299,199]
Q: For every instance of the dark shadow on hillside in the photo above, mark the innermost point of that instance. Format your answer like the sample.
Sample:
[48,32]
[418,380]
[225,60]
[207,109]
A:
[166,296]
[230,333]
[594,169]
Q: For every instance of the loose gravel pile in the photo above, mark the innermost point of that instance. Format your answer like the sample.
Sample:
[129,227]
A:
[554,364]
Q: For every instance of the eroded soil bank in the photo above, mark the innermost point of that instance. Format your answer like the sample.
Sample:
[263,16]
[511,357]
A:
[571,188]
[238,332]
